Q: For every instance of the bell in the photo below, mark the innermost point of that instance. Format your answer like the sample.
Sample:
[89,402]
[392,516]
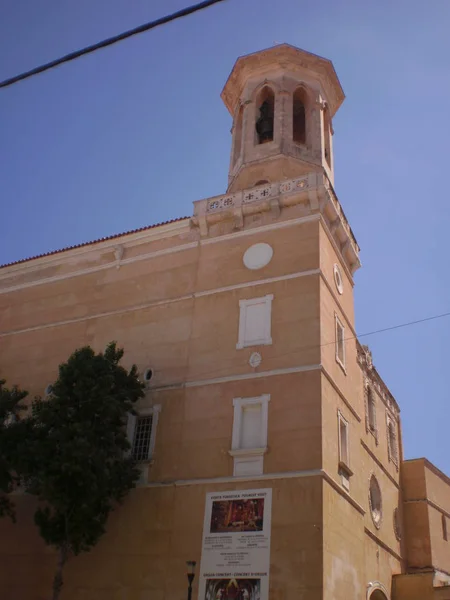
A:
[264,125]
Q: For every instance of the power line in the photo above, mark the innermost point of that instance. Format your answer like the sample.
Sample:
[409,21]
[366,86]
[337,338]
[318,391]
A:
[225,369]
[447,314]
[109,41]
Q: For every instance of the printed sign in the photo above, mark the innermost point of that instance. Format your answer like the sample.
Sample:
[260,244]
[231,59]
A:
[236,546]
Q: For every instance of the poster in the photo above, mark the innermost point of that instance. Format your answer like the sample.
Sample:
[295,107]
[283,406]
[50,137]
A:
[236,546]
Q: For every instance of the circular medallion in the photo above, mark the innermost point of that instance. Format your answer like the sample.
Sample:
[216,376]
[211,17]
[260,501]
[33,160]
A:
[338,279]
[258,256]
[255,360]
[375,502]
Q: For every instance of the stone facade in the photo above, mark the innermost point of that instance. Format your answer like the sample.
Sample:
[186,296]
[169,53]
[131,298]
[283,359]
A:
[249,299]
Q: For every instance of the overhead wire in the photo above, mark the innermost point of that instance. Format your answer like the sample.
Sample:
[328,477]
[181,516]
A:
[356,337]
[109,41]
[226,369]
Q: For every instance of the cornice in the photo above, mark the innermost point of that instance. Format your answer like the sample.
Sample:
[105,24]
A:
[313,191]
[282,56]
[364,358]
[136,236]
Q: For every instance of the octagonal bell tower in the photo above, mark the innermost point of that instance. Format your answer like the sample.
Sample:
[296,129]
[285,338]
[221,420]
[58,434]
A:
[282,101]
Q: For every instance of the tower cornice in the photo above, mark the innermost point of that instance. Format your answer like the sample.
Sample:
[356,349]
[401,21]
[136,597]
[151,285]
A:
[288,58]
[313,190]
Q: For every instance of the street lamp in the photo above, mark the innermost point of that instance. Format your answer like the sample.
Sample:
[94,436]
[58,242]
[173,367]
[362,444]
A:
[190,575]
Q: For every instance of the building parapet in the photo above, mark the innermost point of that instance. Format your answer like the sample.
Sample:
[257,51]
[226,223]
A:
[313,190]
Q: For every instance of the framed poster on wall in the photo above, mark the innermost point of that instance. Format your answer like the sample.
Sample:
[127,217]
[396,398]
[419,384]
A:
[235,559]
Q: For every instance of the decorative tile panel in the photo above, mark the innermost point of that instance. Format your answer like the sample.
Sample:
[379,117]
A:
[221,203]
[294,185]
[255,194]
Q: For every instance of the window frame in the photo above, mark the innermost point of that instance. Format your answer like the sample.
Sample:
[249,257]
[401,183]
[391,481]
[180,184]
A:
[370,399]
[266,338]
[344,462]
[392,443]
[338,323]
[131,429]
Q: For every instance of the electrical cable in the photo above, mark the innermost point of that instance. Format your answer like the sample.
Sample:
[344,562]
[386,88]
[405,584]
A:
[109,41]
[226,369]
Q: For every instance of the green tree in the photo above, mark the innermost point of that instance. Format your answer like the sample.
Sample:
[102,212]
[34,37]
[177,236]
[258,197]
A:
[11,436]
[78,462]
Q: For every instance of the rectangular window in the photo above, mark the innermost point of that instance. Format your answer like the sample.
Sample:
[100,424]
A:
[249,438]
[343,441]
[255,322]
[444,528]
[344,452]
[142,436]
[142,432]
[340,343]
[371,410]
[392,440]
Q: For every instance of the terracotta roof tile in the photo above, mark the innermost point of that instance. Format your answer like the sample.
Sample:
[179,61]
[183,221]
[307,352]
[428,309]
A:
[103,239]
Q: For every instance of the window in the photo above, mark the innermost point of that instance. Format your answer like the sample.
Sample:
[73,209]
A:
[249,438]
[265,117]
[340,343]
[255,322]
[375,502]
[343,440]
[392,441]
[142,432]
[298,117]
[344,451]
[444,528]
[371,412]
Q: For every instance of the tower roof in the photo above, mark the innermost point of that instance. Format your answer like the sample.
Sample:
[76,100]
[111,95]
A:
[286,57]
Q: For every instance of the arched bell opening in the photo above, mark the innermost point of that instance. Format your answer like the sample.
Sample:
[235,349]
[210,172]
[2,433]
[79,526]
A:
[299,116]
[265,115]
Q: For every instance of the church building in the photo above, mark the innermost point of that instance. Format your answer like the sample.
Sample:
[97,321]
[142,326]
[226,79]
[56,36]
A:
[269,446]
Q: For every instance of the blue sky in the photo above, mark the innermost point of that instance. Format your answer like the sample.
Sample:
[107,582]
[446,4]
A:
[131,135]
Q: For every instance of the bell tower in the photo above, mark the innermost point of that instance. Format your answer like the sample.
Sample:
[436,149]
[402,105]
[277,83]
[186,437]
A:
[282,101]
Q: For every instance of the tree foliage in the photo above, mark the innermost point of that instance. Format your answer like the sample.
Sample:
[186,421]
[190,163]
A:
[11,437]
[77,462]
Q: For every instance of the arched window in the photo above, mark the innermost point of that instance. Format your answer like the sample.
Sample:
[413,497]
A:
[265,115]
[299,117]
[238,134]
